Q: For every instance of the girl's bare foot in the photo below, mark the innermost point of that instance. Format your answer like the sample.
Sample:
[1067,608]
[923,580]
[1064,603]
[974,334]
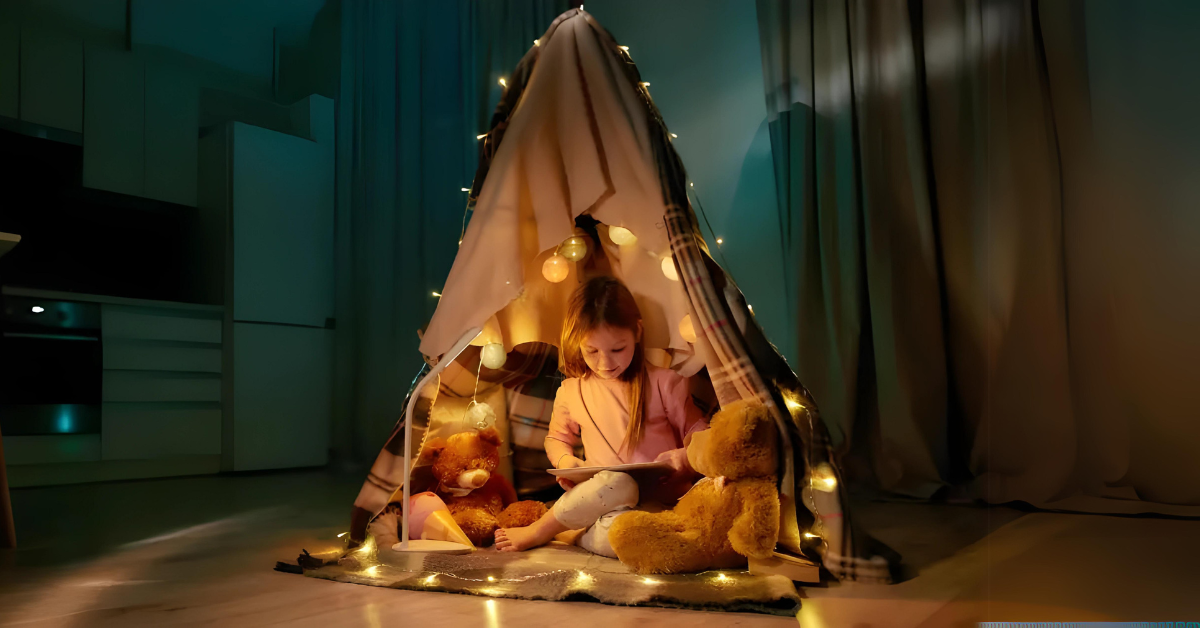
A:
[539,533]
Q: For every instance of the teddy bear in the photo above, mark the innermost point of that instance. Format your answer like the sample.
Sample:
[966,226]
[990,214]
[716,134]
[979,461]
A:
[730,515]
[480,500]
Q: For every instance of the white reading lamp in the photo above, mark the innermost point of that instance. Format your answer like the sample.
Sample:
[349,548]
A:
[426,545]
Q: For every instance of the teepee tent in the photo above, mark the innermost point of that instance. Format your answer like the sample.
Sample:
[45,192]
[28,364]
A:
[578,155]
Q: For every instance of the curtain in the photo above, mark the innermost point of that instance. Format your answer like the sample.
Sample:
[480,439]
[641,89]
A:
[415,81]
[950,229]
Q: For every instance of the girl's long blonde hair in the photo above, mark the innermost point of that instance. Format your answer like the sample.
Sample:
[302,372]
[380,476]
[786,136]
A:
[601,302]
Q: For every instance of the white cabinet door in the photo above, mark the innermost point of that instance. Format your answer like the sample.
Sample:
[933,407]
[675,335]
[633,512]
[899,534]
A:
[282,228]
[172,129]
[10,66]
[114,122]
[51,79]
[282,396]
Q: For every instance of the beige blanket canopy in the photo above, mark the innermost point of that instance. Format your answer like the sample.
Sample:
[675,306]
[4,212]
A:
[579,157]
[578,142]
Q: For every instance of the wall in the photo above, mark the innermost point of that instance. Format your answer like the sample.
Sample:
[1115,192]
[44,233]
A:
[704,67]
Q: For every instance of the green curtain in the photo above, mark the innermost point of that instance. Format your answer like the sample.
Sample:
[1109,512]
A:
[970,196]
[416,85]
[939,203]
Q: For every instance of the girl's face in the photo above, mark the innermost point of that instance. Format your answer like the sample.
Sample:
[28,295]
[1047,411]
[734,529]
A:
[609,350]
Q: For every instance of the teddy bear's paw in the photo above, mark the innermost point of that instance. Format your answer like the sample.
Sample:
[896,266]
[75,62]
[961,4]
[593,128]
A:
[478,525]
[521,514]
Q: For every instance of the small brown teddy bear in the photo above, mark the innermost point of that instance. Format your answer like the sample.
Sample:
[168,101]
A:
[481,500]
[731,514]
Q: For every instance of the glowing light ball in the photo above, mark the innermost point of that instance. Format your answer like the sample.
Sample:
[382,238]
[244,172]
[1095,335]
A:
[493,355]
[621,236]
[668,267]
[480,415]
[574,248]
[556,268]
[686,329]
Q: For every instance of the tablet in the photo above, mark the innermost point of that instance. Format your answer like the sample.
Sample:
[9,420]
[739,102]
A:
[580,474]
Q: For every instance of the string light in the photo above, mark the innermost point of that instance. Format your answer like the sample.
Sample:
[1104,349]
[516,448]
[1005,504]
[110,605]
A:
[503,83]
[673,135]
[810,535]
[720,241]
[625,48]
[722,577]
[645,83]
[584,579]
[621,236]
[481,136]
[573,248]
[668,268]
[342,534]
[750,307]
[493,578]
[437,294]
[823,478]
[792,404]
[692,184]
[686,329]
[493,355]
[431,579]
[650,581]
[555,268]
[466,189]
[537,42]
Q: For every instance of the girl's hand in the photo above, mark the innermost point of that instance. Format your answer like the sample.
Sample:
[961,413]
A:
[568,462]
[674,484]
[677,459]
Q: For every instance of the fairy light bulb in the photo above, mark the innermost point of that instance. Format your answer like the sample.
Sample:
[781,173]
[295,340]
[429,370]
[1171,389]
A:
[823,478]
[493,355]
[574,248]
[686,329]
[556,268]
[621,236]
[668,268]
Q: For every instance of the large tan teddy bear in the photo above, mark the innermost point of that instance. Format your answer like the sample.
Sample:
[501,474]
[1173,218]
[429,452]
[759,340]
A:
[731,514]
[481,500]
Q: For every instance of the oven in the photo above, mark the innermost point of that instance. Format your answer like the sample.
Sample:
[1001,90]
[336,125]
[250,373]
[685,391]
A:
[51,367]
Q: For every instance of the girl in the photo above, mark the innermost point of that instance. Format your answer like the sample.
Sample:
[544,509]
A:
[623,409]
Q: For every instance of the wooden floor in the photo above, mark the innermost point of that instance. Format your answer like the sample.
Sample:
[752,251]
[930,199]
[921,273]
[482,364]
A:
[199,552]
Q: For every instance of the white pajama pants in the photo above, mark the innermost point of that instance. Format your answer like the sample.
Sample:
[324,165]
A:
[595,504]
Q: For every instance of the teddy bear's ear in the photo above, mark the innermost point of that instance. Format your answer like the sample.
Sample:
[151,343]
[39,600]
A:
[490,435]
[431,451]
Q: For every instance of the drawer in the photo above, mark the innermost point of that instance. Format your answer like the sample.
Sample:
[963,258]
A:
[51,449]
[160,430]
[118,321]
[141,355]
[161,386]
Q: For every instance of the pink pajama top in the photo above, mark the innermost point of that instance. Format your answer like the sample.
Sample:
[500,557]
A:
[596,411]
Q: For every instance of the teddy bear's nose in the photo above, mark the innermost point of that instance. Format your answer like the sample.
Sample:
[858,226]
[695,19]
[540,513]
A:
[475,478]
